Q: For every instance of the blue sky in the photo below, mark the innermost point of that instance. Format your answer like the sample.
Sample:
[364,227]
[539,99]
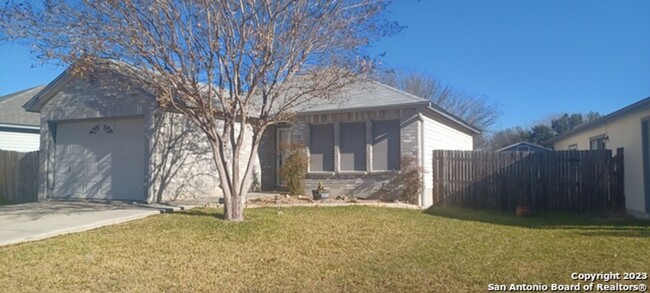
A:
[533,58]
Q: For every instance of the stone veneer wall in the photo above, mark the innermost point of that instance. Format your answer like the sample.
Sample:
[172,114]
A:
[360,184]
[183,164]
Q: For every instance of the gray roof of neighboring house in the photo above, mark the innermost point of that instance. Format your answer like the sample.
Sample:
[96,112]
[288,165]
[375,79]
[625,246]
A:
[645,103]
[11,108]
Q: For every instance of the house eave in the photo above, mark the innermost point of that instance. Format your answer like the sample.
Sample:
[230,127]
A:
[10,127]
[603,120]
[419,104]
[373,108]
[435,109]
[35,103]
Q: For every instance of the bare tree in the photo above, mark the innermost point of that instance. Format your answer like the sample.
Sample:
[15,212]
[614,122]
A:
[475,110]
[505,137]
[233,67]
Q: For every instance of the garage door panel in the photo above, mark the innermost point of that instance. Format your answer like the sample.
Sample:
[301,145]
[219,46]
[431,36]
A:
[100,159]
[69,170]
[71,189]
[99,189]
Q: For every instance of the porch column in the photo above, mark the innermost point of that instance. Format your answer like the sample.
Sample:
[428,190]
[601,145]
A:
[337,142]
[368,145]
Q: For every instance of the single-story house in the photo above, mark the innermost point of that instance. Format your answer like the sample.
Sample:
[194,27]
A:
[19,129]
[626,128]
[116,143]
[524,146]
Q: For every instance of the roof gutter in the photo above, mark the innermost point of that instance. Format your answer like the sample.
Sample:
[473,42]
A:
[20,128]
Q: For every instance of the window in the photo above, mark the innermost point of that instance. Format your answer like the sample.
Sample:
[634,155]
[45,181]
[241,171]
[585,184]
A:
[321,148]
[573,147]
[353,147]
[385,145]
[598,142]
[523,148]
[95,129]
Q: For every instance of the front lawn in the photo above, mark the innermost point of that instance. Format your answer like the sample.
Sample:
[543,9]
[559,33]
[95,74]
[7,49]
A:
[349,249]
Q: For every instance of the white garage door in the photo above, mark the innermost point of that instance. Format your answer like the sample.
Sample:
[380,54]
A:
[100,159]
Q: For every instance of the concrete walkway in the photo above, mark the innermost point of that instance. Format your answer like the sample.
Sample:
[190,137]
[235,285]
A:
[39,220]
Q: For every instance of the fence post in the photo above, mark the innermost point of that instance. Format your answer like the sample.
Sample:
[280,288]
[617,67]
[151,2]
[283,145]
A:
[617,181]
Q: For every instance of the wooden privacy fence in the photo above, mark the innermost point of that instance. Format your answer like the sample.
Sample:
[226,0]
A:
[19,176]
[570,181]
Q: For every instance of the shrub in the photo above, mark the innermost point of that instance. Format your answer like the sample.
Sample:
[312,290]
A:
[294,167]
[407,185]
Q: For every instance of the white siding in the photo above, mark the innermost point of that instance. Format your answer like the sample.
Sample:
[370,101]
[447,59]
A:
[19,142]
[440,136]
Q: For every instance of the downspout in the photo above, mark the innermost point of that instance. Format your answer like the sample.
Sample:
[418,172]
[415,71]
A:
[421,155]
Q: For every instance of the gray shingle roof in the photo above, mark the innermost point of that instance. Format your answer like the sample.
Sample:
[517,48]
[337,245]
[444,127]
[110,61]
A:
[360,96]
[367,95]
[11,108]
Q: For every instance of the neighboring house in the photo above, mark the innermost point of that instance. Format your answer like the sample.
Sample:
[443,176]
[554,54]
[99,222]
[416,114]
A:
[114,142]
[523,146]
[627,128]
[19,129]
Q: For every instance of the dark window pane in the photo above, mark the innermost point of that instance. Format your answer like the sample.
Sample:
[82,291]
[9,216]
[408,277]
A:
[353,146]
[599,143]
[385,145]
[321,148]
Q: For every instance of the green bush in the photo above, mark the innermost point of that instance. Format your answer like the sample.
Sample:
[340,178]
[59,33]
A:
[407,185]
[294,168]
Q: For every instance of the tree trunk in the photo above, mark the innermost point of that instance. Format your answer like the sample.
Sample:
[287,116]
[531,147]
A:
[233,208]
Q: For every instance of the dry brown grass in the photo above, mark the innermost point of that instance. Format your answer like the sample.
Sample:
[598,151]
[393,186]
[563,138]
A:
[349,249]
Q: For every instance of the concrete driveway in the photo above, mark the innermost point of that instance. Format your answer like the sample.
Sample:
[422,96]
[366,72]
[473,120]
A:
[39,220]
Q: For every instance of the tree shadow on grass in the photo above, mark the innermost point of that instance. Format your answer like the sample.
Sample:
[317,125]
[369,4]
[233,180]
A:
[202,212]
[584,225]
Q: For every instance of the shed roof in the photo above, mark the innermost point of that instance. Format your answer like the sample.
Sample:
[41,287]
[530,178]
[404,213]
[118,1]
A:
[523,143]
